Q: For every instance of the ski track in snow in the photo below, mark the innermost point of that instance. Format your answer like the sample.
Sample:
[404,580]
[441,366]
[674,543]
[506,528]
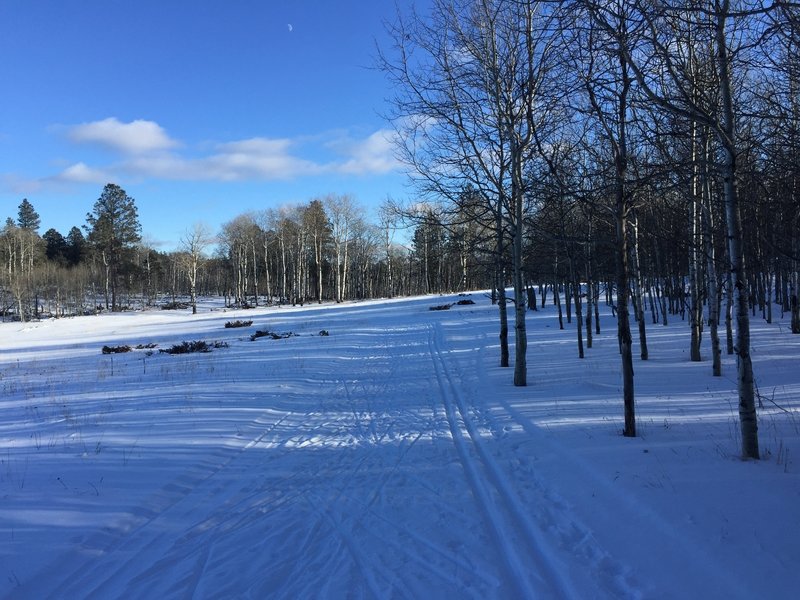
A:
[498,502]
[384,461]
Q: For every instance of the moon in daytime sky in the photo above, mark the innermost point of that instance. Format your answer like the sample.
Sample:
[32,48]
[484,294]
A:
[290,27]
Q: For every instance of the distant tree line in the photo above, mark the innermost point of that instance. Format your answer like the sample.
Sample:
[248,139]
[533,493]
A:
[323,250]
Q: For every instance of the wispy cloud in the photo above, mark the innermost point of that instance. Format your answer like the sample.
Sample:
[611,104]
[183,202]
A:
[256,158]
[82,173]
[372,155]
[144,151]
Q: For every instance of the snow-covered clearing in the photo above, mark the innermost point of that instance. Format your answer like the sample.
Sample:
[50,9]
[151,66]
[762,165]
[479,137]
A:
[392,458]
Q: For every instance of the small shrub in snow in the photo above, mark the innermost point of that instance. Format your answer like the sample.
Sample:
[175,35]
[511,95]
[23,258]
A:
[465,302]
[145,346]
[175,306]
[187,348]
[441,307]
[116,349]
[271,334]
[324,333]
[237,323]
[192,347]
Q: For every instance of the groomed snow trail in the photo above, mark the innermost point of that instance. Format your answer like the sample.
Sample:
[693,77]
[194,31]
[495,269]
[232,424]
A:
[390,459]
[351,483]
[492,490]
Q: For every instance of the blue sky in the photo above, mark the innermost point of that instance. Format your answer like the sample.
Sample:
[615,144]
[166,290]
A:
[201,110]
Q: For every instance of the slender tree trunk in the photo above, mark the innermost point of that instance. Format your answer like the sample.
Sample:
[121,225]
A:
[623,318]
[596,307]
[193,283]
[107,268]
[696,310]
[576,289]
[651,300]
[345,268]
[568,300]
[318,259]
[589,284]
[638,285]
[500,285]
[255,272]
[503,308]
[520,331]
[284,272]
[557,299]
[729,313]
[794,304]
[389,280]
[621,214]
[711,268]
[661,294]
[747,407]
[267,273]
[768,292]
[589,304]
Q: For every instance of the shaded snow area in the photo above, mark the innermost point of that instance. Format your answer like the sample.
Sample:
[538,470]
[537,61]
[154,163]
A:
[391,458]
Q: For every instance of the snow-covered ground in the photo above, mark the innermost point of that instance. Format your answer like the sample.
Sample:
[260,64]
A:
[392,458]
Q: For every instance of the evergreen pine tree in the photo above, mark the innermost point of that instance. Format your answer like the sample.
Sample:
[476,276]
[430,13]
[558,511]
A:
[57,248]
[76,246]
[27,217]
[113,227]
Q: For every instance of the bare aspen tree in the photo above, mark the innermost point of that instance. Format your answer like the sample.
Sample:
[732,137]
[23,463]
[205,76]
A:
[266,239]
[316,223]
[638,285]
[388,219]
[342,213]
[666,86]
[21,249]
[236,238]
[470,80]
[608,86]
[713,280]
[590,299]
[194,242]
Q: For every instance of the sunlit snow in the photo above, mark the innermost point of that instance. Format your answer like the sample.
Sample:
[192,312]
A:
[392,458]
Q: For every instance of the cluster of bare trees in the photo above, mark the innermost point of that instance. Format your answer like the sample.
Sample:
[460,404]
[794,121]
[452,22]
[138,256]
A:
[61,275]
[322,250]
[327,250]
[651,146]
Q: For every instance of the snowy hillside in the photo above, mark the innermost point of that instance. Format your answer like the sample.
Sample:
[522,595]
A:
[390,458]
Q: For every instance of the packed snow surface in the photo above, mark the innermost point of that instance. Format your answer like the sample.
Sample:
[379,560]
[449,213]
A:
[392,458]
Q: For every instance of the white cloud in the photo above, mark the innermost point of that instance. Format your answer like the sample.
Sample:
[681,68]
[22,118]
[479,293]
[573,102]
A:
[82,173]
[136,137]
[269,159]
[255,158]
[149,153]
[259,158]
[371,155]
